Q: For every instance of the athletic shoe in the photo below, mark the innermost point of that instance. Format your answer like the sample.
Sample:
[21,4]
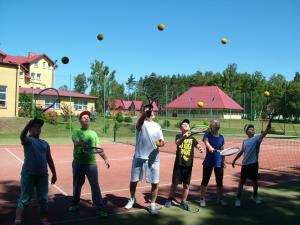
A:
[222,202]
[237,202]
[73,208]
[185,206]
[153,210]
[168,203]
[101,212]
[202,203]
[257,200]
[130,203]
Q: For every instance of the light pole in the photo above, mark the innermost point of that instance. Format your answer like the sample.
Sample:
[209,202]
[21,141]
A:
[166,104]
[104,127]
[190,101]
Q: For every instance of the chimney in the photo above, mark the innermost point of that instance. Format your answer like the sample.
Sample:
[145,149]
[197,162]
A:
[31,54]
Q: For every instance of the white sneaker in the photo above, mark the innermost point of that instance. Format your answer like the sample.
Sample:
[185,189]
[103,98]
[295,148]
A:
[257,200]
[202,203]
[237,202]
[153,210]
[130,203]
[222,202]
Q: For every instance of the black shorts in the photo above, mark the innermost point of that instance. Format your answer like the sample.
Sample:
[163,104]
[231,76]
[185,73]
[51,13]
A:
[182,174]
[250,171]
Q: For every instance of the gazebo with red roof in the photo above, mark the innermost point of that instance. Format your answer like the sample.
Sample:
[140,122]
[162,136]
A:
[215,100]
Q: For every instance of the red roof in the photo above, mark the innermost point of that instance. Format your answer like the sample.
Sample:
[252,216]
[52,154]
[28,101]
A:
[155,108]
[61,93]
[211,96]
[137,105]
[127,104]
[2,53]
[23,59]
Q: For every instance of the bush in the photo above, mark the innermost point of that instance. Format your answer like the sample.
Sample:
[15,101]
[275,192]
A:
[166,123]
[128,119]
[119,118]
[69,124]
[66,111]
[51,117]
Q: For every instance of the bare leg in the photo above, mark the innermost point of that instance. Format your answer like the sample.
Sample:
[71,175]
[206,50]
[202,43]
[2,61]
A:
[203,191]
[185,192]
[172,191]
[240,188]
[154,192]
[133,188]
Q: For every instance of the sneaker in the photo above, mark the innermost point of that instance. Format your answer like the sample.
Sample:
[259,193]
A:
[168,203]
[237,202]
[202,203]
[130,203]
[185,206]
[101,212]
[73,208]
[222,202]
[257,200]
[153,210]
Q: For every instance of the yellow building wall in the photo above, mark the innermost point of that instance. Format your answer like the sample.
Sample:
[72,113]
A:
[42,67]
[8,78]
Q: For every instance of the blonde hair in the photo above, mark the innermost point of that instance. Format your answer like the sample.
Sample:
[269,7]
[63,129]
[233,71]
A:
[213,122]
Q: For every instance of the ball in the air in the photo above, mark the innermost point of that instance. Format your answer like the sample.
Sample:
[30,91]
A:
[161,27]
[267,93]
[100,37]
[224,41]
[65,60]
[200,104]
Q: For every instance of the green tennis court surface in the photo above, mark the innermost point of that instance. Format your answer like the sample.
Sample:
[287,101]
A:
[281,206]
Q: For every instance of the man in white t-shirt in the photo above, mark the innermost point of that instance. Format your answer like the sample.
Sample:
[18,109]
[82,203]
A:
[250,149]
[146,162]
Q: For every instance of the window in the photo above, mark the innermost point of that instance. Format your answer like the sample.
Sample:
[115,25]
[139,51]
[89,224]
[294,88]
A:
[32,76]
[21,75]
[44,65]
[36,64]
[38,76]
[49,101]
[80,105]
[3,96]
[49,66]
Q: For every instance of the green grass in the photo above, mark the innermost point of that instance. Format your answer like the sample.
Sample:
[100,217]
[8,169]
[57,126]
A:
[281,207]
[11,128]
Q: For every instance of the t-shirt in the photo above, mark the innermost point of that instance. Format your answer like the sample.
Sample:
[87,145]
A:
[146,138]
[88,138]
[185,151]
[250,149]
[214,159]
[35,156]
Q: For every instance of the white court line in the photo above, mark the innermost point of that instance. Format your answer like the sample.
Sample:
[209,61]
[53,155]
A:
[21,161]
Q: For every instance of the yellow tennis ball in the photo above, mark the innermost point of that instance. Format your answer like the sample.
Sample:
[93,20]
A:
[224,41]
[267,93]
[100,37]
[200,104]
[157,143]
[161,27]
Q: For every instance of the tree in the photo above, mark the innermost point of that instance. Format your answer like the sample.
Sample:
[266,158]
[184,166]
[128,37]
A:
[81,83]
[64,88]
[131,85]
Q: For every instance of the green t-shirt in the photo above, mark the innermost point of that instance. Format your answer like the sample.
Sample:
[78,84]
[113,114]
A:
[89,138]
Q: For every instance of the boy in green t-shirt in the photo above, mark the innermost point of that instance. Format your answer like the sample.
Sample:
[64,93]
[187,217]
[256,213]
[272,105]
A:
[85,164]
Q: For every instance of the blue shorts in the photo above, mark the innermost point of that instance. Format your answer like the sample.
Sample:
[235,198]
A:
[28,182]
[142,167]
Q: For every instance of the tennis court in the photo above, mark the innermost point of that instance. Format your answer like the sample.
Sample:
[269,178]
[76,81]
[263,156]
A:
[279,162]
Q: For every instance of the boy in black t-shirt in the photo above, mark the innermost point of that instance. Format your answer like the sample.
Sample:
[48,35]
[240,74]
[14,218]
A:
[183,165]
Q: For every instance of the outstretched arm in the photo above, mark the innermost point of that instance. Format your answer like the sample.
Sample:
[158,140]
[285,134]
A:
[24,132]
[266,130]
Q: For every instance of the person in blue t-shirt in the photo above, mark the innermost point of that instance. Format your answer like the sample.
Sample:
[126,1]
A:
[250,149]
[34,173]
[213,141]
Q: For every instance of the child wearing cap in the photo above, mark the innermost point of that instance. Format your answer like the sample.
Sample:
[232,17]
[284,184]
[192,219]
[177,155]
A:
[34,173]
[183,165]
[250,150]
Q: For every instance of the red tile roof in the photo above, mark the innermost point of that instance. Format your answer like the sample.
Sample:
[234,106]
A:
[126,104]
[23,59]
[138,105]
[211,96]
[61,93]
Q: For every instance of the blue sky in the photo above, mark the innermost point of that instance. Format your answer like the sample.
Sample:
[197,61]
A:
[262,35]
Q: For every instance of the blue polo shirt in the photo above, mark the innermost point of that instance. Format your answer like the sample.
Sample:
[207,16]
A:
[214,159]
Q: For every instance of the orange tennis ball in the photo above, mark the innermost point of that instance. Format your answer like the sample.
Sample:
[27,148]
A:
[100,37]
[200,104]
[267,93]
[224,41]
[161,27]
[65,60]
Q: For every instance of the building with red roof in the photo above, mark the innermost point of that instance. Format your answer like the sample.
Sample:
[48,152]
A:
[216,102]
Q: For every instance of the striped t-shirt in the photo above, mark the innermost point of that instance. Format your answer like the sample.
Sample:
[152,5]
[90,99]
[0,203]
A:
[251,148]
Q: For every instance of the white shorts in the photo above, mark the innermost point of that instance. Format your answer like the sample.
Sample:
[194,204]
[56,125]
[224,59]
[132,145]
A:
[142,167]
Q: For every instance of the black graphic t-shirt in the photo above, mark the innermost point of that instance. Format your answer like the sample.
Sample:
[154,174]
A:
[185,151]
